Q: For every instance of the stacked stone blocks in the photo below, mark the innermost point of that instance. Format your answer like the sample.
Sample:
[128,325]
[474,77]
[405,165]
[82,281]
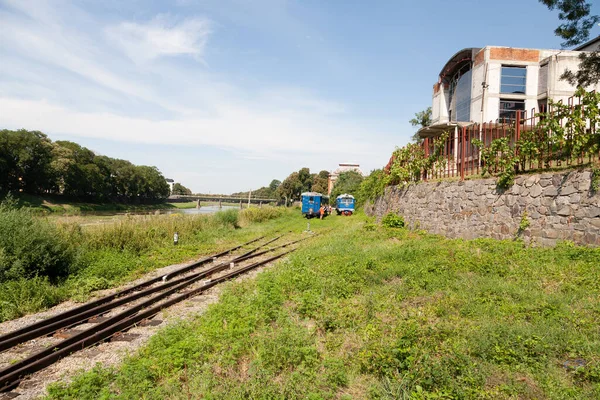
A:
[558,206]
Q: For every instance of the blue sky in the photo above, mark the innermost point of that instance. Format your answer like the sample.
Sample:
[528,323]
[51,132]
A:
[226,95]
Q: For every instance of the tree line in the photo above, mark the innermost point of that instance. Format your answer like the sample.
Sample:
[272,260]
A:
[32,163]
[303,180]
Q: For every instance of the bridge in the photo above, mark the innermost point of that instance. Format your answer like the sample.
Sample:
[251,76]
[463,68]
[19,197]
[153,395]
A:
[219,199]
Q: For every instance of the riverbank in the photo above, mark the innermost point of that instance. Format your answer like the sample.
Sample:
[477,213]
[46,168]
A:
[60,205]
[364,311]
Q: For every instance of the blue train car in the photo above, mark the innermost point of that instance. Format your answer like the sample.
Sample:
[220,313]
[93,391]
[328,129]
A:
[311,204]
[344,204]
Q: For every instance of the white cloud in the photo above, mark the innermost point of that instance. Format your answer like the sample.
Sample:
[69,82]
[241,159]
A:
[161,37]
[258,134]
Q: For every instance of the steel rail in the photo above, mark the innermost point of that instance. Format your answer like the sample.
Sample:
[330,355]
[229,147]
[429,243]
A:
[11,376]
[93,309]
[113,296]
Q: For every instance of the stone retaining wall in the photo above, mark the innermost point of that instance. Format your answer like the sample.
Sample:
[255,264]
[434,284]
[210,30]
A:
[558,206]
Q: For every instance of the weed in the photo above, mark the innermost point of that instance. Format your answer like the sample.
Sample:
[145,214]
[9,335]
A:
[392,220]
[595,179]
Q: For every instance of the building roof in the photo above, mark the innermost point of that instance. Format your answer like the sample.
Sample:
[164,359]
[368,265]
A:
[311,194]
[457,60]
[589,44]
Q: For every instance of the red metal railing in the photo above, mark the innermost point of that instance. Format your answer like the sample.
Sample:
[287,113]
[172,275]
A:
[537,144]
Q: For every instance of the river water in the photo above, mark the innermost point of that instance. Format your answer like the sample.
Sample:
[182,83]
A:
[210,209]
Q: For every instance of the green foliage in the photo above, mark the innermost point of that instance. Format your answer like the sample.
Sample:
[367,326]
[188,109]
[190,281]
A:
[409,163]
[22,296]
[421,120]
[291,188]
[382,314]
[595,179]
[257,215]
[371,187]
[321,182]
[31,163]
[578,21]
[500,157]
[524,223]
[392,220]
[179,189]
[30,246]
[102,256]
[347,182]
[228,218]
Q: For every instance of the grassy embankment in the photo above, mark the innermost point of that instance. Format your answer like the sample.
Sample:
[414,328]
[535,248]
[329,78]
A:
[60,205]
[44,261]
[364,311]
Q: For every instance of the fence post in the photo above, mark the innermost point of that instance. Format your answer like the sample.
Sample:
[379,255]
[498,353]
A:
[462,155]
[426,147]
[517,137]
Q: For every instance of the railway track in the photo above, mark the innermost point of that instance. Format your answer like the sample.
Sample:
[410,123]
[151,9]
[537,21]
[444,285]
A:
[109,317]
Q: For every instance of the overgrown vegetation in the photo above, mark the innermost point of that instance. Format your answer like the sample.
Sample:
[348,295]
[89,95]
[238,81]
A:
[382,313]
[565,135]
[392,220]
[43,261]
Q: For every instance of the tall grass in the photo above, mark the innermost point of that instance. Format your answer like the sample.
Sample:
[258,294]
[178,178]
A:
[80,260]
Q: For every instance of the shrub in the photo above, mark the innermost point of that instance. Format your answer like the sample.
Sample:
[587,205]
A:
[392,220]
[251,215]
[228,218]
[31,246]
[23,296]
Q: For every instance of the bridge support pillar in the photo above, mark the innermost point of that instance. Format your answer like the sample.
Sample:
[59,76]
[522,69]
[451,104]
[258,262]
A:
[198,203]
[220,206]
[260,204]
[241,205]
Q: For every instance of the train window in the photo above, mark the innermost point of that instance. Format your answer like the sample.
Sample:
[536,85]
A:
[311,198]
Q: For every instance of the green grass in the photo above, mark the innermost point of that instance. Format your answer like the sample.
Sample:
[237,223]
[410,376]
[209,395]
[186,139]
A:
[44,261]
[363,311]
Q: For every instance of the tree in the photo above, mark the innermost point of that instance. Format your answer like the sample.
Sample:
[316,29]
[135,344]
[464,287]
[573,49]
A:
[274,185]
[321,182]
[25,158]
[291,188]
[347,182]
[305,178]
[179,189]
[421,120]
[576,30]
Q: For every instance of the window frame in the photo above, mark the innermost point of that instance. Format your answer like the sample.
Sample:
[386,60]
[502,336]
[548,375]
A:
[513,112]
[508,76]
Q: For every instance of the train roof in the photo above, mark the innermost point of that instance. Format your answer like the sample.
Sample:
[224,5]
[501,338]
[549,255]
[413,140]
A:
[345,195]
[312,194]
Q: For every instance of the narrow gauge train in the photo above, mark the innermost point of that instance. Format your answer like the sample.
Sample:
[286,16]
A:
[344,204]
[311,204]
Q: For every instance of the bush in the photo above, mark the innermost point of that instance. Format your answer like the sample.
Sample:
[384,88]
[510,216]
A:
[392,220]
[30,246]
[23,296]
[251,215]
[228,218]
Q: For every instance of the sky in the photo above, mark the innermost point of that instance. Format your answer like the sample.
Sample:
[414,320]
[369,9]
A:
[226,95]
